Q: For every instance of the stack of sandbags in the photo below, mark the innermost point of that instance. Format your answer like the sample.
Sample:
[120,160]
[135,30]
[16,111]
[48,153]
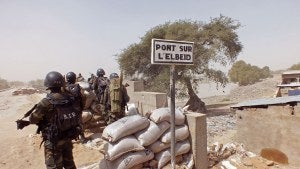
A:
[161,147]
[91,115]
[136,137]
[123,150]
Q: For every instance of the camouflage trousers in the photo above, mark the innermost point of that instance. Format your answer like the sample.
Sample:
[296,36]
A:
[59,155]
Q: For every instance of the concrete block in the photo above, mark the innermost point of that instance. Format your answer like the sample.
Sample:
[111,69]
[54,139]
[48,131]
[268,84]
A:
[198,134]
[147,101]
[135,86]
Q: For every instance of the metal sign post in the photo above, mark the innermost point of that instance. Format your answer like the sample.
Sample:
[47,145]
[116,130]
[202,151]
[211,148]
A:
[173,140]
[170,52]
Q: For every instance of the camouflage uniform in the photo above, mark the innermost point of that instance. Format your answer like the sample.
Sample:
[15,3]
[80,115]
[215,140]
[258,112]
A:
[77,92]
[58,154]
[124,99]
[100,88]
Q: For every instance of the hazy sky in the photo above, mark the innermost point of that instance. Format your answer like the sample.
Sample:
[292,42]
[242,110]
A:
[38,36]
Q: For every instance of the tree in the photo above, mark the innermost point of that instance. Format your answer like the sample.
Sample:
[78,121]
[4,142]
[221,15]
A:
[245,74]
[3,84]
[214,42]
[295,67]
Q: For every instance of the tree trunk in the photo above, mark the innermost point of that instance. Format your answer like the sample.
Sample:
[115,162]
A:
[195,104]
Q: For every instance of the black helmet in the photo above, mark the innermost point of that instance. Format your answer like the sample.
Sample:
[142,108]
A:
[100,72]
[113,75]
[71,77]
[54,79]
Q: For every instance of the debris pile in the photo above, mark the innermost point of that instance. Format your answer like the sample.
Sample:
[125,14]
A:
[217,125]
[27,91]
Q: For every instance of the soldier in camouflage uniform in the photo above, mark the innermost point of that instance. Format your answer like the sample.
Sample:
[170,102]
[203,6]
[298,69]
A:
[100,88]
[58,121]
[117,98]
[76,91]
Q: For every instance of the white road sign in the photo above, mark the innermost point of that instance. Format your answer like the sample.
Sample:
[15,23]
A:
[171,52]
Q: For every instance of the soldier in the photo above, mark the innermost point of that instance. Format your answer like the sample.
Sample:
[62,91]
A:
[77,92]
[59,121]
[91,80]
[99,87]
[80,78]
[117,98]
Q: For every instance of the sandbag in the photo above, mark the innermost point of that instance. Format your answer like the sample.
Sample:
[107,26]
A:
[164,114]
[127,160]
[158,146]
[90,97]
[152,133]
[122,146]
[164,157]
[125,126]
[181,133]
[84,85]
[131,110]
[86,116]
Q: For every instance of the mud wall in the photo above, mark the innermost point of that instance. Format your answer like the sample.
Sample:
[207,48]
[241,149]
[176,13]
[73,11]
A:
[277,126]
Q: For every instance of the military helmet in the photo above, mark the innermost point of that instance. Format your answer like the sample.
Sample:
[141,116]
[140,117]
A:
[71,77]
[113,75]
[54,79]
[100,72]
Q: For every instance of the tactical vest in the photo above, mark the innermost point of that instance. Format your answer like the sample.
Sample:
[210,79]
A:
[115,95]
[64,122]
[101,86]
[75,91]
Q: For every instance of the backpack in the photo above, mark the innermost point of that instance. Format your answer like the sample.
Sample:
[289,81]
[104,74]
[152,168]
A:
[115,95]
[65,120]
[75,91]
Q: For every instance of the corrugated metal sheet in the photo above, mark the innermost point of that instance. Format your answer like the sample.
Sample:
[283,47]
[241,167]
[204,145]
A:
[291,72]
[267,101]
[289,85]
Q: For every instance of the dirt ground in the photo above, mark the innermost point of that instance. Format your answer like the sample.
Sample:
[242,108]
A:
[21,148]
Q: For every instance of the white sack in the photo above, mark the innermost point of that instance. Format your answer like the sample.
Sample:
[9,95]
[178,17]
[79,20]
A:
[158,146]
[122,146]
[164,114]
[127,160]
[164,157]
[152,133]
[132,110]
[181,133]
[86,116]
[125,126]
[90,97]
[84,85]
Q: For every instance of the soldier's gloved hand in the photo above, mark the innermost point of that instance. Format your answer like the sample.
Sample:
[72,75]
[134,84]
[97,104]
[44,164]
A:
[21,124]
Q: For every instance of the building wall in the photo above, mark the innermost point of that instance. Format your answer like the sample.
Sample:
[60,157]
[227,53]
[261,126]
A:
[277,126]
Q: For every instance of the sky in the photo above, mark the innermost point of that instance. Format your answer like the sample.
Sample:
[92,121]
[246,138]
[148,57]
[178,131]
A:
[39,36]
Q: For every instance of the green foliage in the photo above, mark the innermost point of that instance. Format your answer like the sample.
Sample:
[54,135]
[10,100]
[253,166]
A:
[214,42]
[38,83]
[245,74]
[295,67]
[16,83]
[3,84]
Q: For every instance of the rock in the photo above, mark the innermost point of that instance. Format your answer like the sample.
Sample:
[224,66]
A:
[269,163]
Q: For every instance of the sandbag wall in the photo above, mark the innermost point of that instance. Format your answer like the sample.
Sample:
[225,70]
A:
[91,115]
[137,141]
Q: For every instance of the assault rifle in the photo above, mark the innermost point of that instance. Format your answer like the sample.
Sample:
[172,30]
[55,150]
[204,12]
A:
[23,123]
